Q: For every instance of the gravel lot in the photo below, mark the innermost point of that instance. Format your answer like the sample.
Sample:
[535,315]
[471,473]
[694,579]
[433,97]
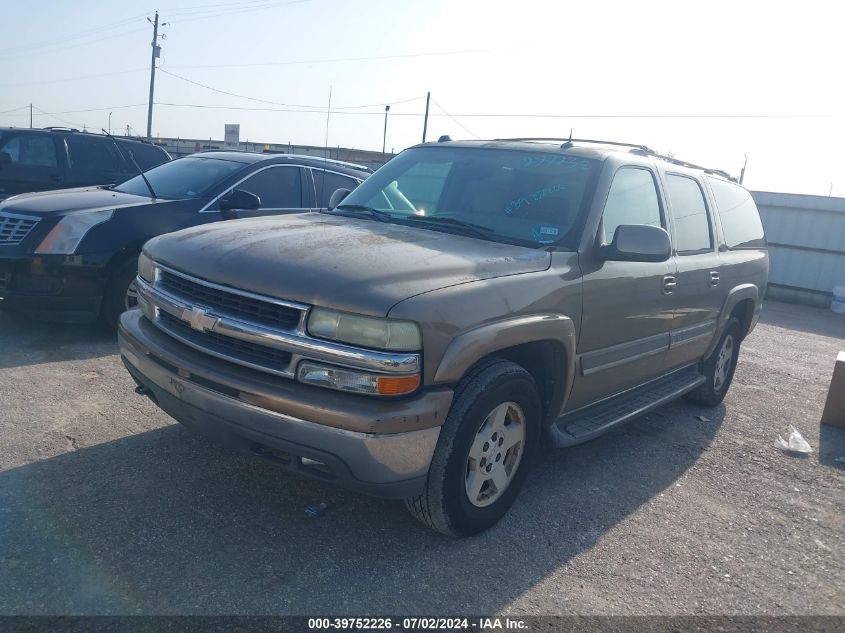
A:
[107,507]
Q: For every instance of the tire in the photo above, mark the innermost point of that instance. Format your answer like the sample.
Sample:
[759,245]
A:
[718,377]
[120,295]
[460,458]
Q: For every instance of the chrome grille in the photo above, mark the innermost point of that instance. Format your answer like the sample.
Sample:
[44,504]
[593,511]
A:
[14,228]
[230,303]
[274,360]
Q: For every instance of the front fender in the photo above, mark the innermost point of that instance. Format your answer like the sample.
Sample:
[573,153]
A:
[468,348]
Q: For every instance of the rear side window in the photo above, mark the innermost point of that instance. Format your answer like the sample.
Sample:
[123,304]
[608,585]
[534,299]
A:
[328,182]
[632,200]
[93,154]
[278,187]
[30,150]
[689,215]
[740,219]
[147,156]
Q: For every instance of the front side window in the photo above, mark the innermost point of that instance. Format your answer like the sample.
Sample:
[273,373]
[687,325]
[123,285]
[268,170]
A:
[277,187]
[689,215]
[96,154]
[531,198]
[190,177]
[740,219]
[29,150]
[632,199]
[327,182]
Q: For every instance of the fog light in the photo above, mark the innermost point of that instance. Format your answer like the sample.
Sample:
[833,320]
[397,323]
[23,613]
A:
[355,381]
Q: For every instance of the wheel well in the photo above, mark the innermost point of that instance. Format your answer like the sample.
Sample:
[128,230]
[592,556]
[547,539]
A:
[546,362]
[744,312]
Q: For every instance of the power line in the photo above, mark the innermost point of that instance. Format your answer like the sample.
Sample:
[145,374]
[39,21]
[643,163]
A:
[508,115]
[288,105]
[353,59]
[26,107]
[82,78]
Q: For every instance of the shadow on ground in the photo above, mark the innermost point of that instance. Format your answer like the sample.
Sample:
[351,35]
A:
[166,522]
[27,342]
[809,319]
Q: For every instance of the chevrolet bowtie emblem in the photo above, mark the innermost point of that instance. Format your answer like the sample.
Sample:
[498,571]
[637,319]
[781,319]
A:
[199,319]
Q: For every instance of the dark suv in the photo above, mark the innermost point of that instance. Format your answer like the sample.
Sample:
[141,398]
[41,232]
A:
[60,158]
[71,255]
[468,302]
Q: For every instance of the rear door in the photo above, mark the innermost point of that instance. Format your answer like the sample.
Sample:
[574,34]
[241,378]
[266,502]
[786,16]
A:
[699,292]
[278,186]
[94,160]
[627,315]
[29,161]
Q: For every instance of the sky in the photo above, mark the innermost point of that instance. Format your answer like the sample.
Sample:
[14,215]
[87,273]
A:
[708,82]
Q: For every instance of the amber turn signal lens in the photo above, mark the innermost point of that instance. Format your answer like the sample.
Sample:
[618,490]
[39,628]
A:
[397,385]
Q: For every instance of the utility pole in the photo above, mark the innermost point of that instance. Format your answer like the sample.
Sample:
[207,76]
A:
[384,138]
[30,116]
[155,54]
[742,173]
[109,122]
[425,121]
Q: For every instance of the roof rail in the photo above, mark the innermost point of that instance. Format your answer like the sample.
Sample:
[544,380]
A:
[60,127]
[642,150]
[569,141]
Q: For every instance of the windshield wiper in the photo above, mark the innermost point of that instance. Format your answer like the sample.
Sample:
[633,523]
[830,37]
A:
[478,230]
[381,216]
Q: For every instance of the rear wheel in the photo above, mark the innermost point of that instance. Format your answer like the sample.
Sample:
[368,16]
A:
[484,450]
[121,292]
[719,368]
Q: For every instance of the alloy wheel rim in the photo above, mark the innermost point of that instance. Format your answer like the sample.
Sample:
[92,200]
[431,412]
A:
[130,300]
[495,454]
[723,362]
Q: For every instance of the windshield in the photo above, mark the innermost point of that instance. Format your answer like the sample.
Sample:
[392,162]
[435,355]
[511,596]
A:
[183,178]
[523,197]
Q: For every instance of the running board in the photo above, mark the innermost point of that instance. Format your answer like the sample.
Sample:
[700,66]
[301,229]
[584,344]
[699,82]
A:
[597,419]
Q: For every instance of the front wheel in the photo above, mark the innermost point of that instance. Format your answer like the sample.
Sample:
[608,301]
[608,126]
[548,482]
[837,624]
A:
[719,368]
[121,293]
[484,450]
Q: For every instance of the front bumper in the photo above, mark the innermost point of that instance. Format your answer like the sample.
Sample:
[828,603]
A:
[53,288]
[378,446]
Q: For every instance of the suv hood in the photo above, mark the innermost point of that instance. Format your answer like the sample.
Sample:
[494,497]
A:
[357,265]
[64,201]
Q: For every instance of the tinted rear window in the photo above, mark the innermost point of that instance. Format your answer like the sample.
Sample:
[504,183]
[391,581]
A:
[147,156]
[740,218]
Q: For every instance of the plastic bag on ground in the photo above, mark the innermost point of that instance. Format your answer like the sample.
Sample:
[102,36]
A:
[796,443]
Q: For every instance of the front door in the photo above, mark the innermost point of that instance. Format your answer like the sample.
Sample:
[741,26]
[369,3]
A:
[627,314]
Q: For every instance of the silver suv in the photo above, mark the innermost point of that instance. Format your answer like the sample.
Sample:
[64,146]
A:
[466,303]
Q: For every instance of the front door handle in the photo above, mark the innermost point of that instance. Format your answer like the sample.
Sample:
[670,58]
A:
[714,278]
[669,284]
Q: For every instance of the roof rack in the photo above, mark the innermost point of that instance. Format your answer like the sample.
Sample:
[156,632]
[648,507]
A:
[642,150]
[62,128]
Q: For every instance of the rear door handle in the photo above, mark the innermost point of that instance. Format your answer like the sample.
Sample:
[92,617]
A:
[714,278]
[669,284]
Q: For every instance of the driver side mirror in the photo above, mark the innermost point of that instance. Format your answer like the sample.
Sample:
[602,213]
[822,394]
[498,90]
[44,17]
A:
[637,243]
[240,199]
[337,197]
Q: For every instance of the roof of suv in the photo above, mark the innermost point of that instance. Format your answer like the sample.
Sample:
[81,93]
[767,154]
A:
[582,147]
[71,130]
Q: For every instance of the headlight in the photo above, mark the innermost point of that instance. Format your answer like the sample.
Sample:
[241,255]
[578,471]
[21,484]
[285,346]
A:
[356,381]
[386,334]
[146,269]
[68,233]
